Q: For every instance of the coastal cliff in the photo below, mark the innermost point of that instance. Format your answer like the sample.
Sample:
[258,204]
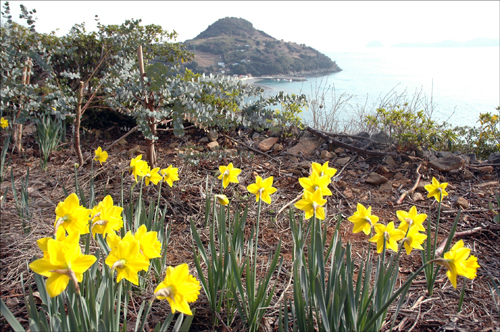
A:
[232,46]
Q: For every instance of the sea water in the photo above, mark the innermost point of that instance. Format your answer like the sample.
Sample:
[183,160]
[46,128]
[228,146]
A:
[459,83]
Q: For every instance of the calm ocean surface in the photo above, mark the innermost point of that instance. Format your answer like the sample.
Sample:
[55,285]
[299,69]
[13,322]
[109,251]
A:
[463,82]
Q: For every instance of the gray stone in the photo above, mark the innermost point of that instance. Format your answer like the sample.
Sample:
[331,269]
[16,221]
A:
[419,153]
[212,135]
[203,140]
[444,154]
[472,157]
[462,202]
[375,178]
[390,162]
[363,134]
[325,154]
[255,135]
[381,137]
[386,187]
[267,143]
[212,145]
[494,158]
[447,164]
[277,147]
[342,161]
[306,146]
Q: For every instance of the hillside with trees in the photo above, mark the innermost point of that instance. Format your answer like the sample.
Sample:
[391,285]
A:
[232,46]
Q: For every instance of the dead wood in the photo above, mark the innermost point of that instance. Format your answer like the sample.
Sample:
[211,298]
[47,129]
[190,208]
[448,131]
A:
[348,146]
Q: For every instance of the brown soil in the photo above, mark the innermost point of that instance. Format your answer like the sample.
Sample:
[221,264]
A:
[419,313]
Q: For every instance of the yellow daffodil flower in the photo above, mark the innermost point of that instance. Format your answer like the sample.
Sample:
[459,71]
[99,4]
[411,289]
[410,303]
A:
[315,182]
[170,174]
[100,156]
[410,219]
[150,247]
[62,261]
[389,234]
[457,263]
[138,167]
[179,288]
[222,199]
[106,217]
[323,170]
[152,175]
[413,239]
[60,237]
[262,189]
[436,189]
[4,123]
[127,260]
[229,174]
[363,219]
[72,216]
[312,203]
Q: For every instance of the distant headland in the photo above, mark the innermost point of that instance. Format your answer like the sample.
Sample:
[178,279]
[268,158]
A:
[232,46]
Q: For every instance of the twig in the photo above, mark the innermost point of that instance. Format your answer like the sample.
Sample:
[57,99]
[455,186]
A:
[288,204]
[255,150]
[440,249]
[400,200]
[348,146]
[118,140]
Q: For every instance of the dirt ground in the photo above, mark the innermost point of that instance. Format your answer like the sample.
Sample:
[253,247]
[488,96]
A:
[185,200]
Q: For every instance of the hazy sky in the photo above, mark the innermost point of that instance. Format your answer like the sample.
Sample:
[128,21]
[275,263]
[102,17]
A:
[325,26]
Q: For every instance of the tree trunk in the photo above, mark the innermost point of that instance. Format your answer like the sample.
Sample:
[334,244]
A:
[77,126]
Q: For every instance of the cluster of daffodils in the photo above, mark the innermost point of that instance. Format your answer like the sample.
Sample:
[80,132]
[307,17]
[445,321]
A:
[408,233]
[315,187]
[408,230]
[140,169]
[262,188]
[63,259]
[4,123]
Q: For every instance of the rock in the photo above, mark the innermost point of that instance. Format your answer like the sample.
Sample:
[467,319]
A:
[325,154]
[255,135]
[267,143]
[306,146]
[342,161]
[386,187]
[173,145]
[231,152]
[417,197]
[384,169]
[212,145]
[136,150]
[465,158]
[485,169]
[398,176]
[462,202]
[277,147]
[472,157]
[363,134]
[444,154]
[447,164]
[203,140]
[494,158]
[421,185]
[348,193]
[339,150]
[419,153]
[488,184]
[381,137]
[375,178]
[390,162]
[467,175]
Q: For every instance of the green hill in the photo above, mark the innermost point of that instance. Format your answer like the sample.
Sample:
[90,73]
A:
[232,46]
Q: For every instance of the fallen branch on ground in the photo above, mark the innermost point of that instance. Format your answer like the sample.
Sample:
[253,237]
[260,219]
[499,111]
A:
[440,249]
[400,200]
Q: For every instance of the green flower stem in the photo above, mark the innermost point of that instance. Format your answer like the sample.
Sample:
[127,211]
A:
[256,242]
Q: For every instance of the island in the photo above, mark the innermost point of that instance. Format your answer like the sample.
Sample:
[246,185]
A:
[232,46]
